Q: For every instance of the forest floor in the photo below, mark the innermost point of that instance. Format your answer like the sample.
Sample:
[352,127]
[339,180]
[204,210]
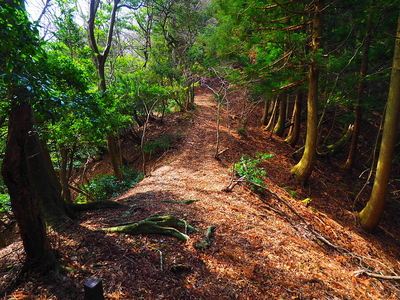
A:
[290,242]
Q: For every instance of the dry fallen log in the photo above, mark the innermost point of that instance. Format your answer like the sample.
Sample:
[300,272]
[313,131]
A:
[166,225]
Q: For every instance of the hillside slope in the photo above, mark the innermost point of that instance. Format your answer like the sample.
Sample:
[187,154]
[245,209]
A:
[266,245]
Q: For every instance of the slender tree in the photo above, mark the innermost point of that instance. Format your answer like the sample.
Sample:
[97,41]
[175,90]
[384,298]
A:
[100,58]
[370,216]
[360,91]
[304,167]
[281,122]
[294,135]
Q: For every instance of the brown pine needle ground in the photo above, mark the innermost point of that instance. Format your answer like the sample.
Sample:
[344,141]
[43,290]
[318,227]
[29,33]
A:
[260,248]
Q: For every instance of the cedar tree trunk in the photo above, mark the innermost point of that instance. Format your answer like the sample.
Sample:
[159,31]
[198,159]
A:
[295,132]
[304,167]
[370,216]
[360,90]
[280,124]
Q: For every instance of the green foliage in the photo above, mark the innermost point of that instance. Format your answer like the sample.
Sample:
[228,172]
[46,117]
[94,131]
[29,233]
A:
[20,55]
[164,143]
[107,186]
[5,204]
[248,167]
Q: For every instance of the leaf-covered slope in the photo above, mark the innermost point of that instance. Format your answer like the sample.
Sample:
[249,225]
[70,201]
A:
[265,244]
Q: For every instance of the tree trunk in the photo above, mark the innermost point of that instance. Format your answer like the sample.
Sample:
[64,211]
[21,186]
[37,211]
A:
[66,193]
[264,117]
[272,116]
[370,216]
[304,168]
[295,132]
[99,62]
[190,97]
[2,241]
[55,209]
[280,124]
[24,199]
[115,156]
[50,167]
[360,90]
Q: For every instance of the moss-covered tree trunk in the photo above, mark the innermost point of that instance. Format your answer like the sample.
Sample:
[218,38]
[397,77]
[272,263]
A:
[370,216]
[24,199]
[49,166]
[190,96]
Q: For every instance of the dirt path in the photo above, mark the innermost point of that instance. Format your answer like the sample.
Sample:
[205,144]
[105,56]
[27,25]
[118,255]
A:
[260,250]
[256,254]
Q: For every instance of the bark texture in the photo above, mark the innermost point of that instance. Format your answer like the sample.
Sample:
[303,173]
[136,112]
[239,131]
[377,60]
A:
[360,91]
[24,199]
[371,215]
[55,209]
[294,135]
[303,169]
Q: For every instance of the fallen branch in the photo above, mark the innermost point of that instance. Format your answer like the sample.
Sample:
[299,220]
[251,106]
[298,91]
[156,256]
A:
[375,275]
[216,156]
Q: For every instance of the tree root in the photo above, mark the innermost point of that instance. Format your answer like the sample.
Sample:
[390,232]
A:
[166,225]
[185,202]
[96,205]
[206,242]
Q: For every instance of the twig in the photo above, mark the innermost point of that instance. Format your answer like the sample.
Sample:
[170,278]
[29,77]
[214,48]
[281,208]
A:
[376,275]
[221,152]
[80,191]
[161,257]
[374,158]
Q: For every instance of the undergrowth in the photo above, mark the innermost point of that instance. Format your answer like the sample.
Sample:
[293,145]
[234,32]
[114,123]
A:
[107,186]
[248,167]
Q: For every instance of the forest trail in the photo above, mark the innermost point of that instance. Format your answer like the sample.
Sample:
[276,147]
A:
[260,248]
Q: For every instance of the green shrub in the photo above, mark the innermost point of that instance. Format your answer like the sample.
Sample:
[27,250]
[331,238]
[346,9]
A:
[5,204]
[162,143]
[107,186]
[248,167]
